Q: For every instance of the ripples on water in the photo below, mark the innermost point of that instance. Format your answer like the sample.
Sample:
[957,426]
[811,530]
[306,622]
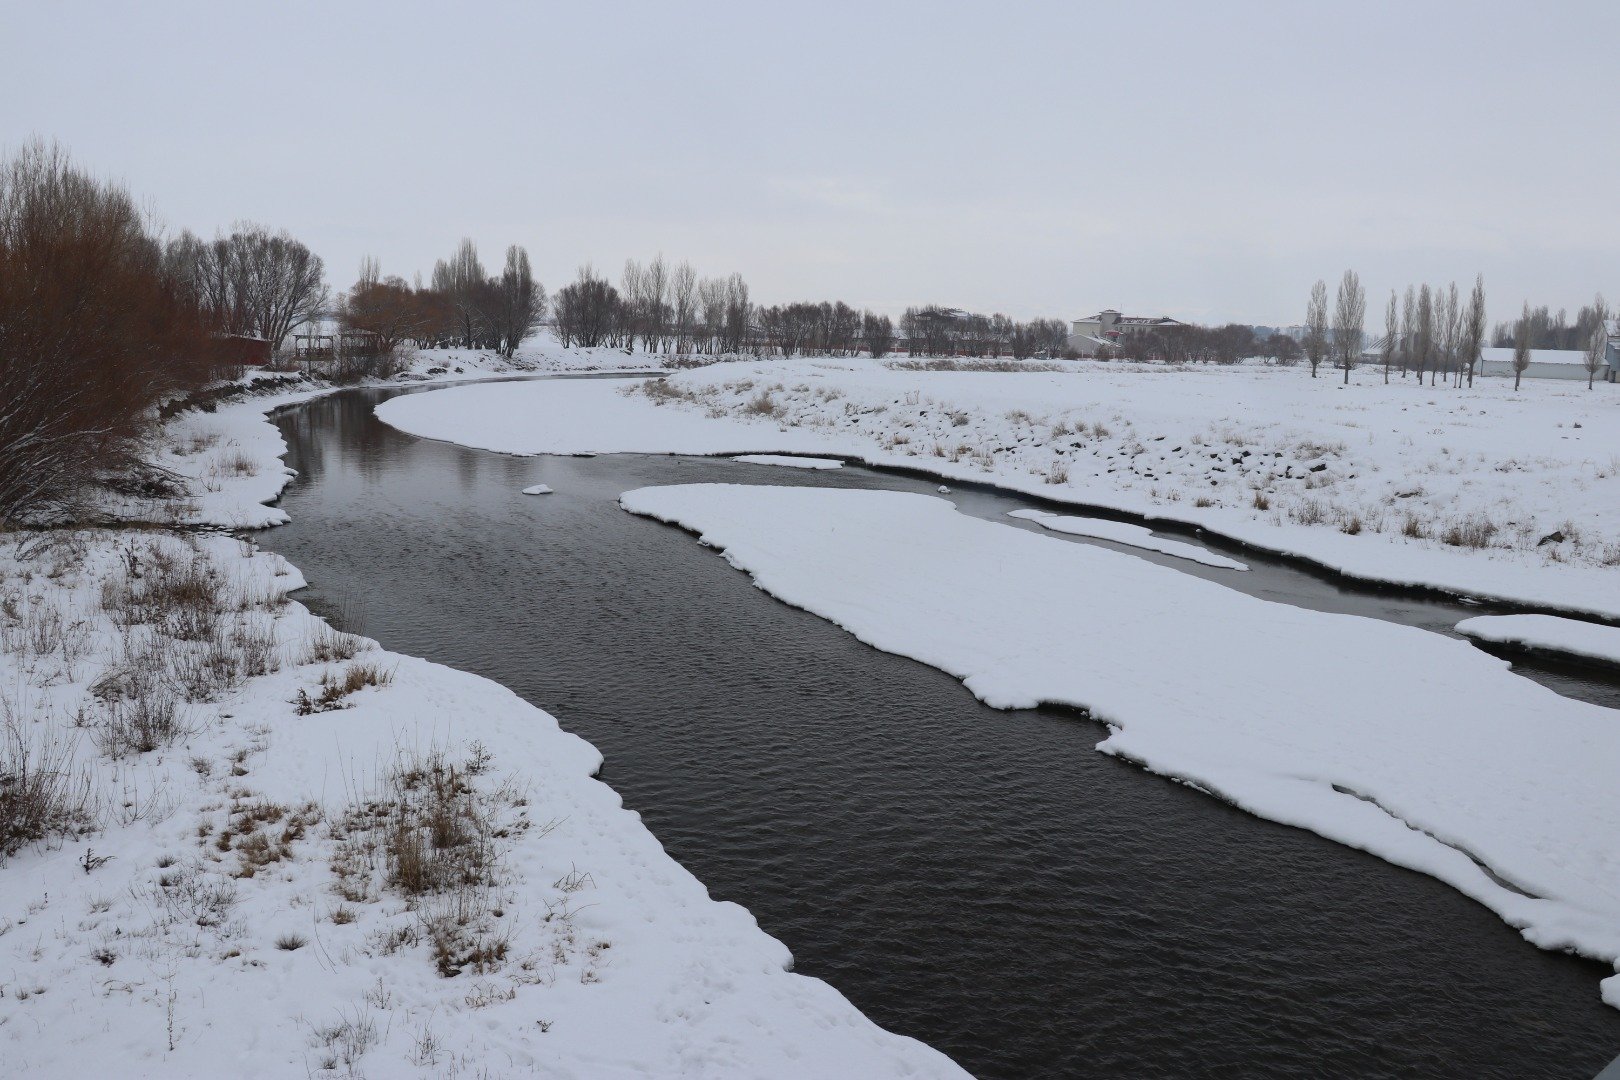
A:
[982,880]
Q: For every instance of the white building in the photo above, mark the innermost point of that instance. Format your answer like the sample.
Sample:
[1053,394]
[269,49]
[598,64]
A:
[1104,331]
[1544,364]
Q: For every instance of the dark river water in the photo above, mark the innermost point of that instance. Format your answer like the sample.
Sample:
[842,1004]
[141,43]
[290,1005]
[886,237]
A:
[981,880]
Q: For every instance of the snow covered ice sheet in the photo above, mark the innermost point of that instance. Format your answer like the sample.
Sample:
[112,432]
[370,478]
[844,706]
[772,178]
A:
[790,462]
[1121,532]
[1405,743]
[1589,641]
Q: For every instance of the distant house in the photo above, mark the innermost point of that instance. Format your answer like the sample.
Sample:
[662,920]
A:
[240,350]
[1612,330]
[1105,331]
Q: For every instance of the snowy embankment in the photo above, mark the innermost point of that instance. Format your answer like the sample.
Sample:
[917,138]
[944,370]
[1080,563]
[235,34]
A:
[1407,744]
[1481,491]
[271,849]
[1547,633]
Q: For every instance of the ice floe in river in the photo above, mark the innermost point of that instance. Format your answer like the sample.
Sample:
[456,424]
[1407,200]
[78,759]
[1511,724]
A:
[1407,744]
[1547,633]
[789,462]
[1121,532]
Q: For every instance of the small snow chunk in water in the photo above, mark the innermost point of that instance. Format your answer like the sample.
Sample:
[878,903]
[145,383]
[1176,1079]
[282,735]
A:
[943,490]
[538,489]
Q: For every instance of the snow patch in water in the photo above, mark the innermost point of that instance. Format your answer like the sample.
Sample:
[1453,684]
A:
[1121,532]
[790,462]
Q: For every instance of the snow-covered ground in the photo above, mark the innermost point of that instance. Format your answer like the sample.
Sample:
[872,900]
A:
[1548,633]
[284,851]
[1405,743]
[1480,491]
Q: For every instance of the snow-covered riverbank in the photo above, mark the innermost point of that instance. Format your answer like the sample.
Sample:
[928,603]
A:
[276,850]
[1405,743]
[1480,491]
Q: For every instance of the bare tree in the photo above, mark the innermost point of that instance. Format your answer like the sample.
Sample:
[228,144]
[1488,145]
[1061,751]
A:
[1349,317]
[739,314]
[654,304]
[1408,327]
[1448,331]
[1316,332]
[586,310]
[252,281]
[460,281]
[1597,346]
[387,308]
[1473,327]
[522,301]
[878,332]
[287,282]
[683,306]
[1282,349]
[1423,333]
[1392,331]
[711,314]
[1521,346]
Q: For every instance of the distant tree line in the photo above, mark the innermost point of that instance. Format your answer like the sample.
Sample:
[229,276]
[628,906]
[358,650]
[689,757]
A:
[465,306]
[1552,331]
[1191,343]
[1431,332]
[940,331]
[656,308]
[673,311]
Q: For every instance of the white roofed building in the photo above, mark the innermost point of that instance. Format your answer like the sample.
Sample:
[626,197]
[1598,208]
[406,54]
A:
[1544,363]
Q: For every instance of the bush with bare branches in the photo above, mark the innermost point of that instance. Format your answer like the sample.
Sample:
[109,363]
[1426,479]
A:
[94,331]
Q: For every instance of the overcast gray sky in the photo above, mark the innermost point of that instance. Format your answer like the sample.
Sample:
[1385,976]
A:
[1199,159]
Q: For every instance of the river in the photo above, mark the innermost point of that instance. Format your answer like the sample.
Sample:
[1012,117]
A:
[981,880]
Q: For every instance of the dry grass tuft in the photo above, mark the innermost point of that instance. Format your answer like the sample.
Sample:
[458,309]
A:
[1474,531]
[434,836]
[42,796]
[335,689]
[329,646]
